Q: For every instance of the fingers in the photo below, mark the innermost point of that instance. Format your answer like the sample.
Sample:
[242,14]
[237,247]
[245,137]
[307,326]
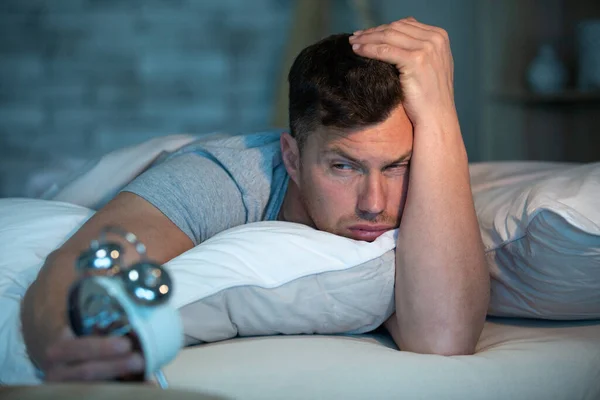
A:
[415,29]
[387,37]
[414,22]
[86,348]
[97,370]
[431,28]
[92,358]
[411,27]
[385,44]
[393,42]
[382,52]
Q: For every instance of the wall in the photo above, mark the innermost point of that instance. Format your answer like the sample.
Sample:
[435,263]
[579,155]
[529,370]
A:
[82,77]
[518,123]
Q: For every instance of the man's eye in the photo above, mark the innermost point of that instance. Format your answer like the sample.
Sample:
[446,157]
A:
[397,167]
[342,167]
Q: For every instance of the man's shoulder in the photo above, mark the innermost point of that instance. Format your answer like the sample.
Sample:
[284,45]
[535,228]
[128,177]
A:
[251,161]
[238,153]
[217,182]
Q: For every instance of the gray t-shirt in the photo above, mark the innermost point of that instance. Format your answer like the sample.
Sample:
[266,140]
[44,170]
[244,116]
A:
[217,182]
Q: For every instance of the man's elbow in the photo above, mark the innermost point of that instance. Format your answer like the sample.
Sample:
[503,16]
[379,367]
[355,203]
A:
[442,345]
[443,340]
[453,347]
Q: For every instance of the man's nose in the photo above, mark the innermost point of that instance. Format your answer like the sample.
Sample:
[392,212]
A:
[371,200]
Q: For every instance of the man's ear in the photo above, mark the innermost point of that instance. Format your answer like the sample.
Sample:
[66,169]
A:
[290,154]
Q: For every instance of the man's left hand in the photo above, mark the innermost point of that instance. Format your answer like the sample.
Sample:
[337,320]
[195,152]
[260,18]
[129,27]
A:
[422,55]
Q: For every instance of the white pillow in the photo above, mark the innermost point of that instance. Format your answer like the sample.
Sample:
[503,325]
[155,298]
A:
[29,230]
[540,224]
[276,277]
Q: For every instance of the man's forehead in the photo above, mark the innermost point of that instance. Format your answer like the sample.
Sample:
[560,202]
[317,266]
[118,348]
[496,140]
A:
[329,137]
[372,134]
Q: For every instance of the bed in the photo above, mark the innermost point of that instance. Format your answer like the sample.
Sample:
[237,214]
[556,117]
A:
[540,223]
[515,359]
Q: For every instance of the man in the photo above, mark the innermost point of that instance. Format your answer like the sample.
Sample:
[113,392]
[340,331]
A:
[367,112]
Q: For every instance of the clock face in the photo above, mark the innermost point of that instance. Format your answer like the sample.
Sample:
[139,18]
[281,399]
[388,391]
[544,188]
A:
[93,311]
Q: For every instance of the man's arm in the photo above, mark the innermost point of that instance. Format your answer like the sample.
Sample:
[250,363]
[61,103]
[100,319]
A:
[43,311]
[442,282]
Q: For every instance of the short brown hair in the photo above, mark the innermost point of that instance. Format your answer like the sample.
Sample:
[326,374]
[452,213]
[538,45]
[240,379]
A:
[331,86]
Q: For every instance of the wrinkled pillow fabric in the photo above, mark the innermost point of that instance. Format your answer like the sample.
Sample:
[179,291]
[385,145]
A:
[540,224]
[283,278]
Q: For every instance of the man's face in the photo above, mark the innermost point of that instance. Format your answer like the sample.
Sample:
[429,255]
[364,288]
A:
[354,184]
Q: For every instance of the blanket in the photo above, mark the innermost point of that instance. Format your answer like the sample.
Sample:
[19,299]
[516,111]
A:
[100,180]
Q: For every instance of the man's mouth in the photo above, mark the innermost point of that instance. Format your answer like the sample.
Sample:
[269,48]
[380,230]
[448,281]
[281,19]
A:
[368,232]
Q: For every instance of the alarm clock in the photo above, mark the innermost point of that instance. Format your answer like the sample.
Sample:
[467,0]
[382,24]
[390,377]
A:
[109,298]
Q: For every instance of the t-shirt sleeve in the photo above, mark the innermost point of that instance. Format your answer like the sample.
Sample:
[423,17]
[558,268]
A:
[194,192]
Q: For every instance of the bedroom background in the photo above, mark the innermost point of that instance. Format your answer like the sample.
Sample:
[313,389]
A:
[79,78]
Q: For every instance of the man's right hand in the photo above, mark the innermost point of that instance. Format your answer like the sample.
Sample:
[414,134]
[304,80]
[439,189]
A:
[90,358]
[54,347]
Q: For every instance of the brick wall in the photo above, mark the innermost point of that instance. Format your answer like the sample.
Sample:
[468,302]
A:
[81,77]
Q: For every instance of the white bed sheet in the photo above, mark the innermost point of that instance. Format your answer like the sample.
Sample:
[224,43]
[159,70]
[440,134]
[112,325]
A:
[515,359]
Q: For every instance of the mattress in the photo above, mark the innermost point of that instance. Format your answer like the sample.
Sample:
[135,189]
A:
[515,359]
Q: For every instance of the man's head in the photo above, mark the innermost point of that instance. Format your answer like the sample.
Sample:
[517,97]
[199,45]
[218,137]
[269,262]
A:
[350,142]
[332,87]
